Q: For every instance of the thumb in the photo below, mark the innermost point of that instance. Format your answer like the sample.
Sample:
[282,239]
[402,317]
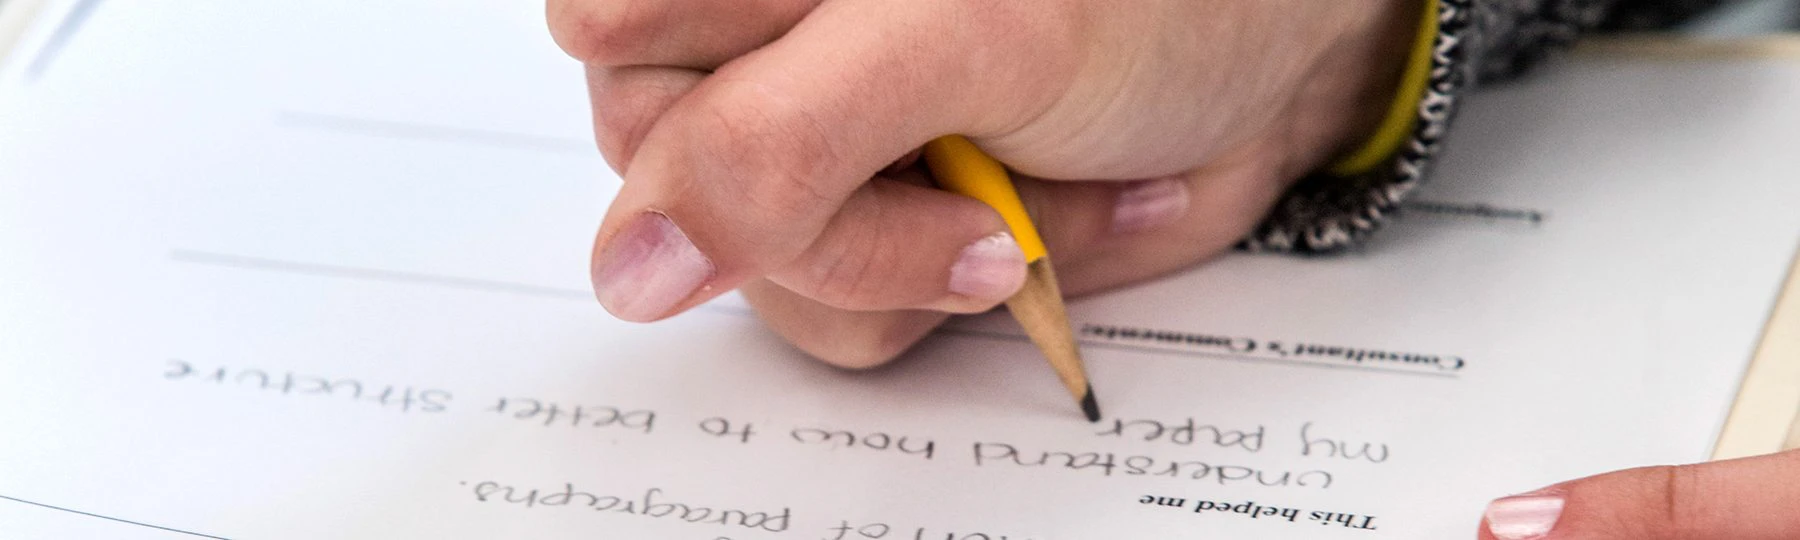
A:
[749,169]
[1744,499]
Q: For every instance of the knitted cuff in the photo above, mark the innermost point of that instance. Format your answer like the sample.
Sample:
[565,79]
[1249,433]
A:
[1325,212]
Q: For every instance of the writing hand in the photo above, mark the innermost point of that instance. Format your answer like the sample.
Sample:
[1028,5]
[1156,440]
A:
[753,136]
[1746,499]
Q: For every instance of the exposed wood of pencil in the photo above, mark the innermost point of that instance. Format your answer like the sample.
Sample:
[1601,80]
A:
[1039,308]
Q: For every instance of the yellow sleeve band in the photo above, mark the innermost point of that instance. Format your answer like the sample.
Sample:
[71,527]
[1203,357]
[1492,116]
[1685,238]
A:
[962,168]
[1403,114]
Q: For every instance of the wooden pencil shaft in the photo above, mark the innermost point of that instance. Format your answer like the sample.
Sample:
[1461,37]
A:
[1038,306]
[959,166]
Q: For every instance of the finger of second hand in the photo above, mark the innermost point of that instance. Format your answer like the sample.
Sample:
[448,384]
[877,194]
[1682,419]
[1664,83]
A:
[1741,499]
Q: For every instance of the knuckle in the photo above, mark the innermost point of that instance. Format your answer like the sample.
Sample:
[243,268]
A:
[870,347]
[601,32]
[858,355]
[615,119]
[627,102]
[1671,510]
[1685,501]
[841,339]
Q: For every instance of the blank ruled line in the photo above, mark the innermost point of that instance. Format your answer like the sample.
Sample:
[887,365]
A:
[243,262]
[415,131]
[110,518]
[372,274]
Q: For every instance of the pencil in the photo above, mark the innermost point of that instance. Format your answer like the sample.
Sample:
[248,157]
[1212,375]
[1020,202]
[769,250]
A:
[962,168]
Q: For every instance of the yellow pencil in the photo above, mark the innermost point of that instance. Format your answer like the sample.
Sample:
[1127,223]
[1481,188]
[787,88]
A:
[961,167]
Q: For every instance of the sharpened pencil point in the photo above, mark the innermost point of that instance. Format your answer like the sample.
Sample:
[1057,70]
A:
[958,165]
[1089,406]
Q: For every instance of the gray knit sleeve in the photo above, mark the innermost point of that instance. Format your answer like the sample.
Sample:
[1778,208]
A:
[1477,40]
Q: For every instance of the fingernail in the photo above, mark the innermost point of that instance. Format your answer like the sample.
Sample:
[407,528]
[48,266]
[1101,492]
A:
[1149,204]
[992,268]
[647,268]
[1524,517]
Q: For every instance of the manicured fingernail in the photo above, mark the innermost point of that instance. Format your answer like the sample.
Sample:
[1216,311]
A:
[1524,517]
[1149,204]
[992,268]
[647,268]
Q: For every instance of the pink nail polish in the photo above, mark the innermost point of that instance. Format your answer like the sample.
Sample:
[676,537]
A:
[1149,204]
[992,268]
[1524,517]
[647,268]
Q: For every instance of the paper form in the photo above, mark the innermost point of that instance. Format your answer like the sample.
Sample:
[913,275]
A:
[317,270]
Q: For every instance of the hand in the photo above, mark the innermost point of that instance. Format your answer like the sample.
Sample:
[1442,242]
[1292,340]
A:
[1746,499]
[753,136]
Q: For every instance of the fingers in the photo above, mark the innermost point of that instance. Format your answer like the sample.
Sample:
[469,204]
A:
[697,34]
[899,245]
[745,172]
[643,55]
[892,245]
[1745,499]
[1141,230]
[628,100]
[1100,234]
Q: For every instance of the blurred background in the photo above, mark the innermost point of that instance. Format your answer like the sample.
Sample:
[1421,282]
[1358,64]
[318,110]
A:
[1740,18]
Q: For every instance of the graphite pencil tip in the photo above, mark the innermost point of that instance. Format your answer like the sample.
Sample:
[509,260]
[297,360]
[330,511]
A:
[1089,406]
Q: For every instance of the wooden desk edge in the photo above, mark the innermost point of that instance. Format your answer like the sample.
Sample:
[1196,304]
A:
[1675,47]
[1766,416]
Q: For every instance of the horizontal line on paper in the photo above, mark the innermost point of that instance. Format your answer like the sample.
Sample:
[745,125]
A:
[417,131]
[373,274]
[244,262]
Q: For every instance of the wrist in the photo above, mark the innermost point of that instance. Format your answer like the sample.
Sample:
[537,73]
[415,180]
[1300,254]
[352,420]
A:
[1350,115]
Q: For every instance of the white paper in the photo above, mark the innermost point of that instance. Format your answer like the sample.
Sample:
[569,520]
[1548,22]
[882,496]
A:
[401,194]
